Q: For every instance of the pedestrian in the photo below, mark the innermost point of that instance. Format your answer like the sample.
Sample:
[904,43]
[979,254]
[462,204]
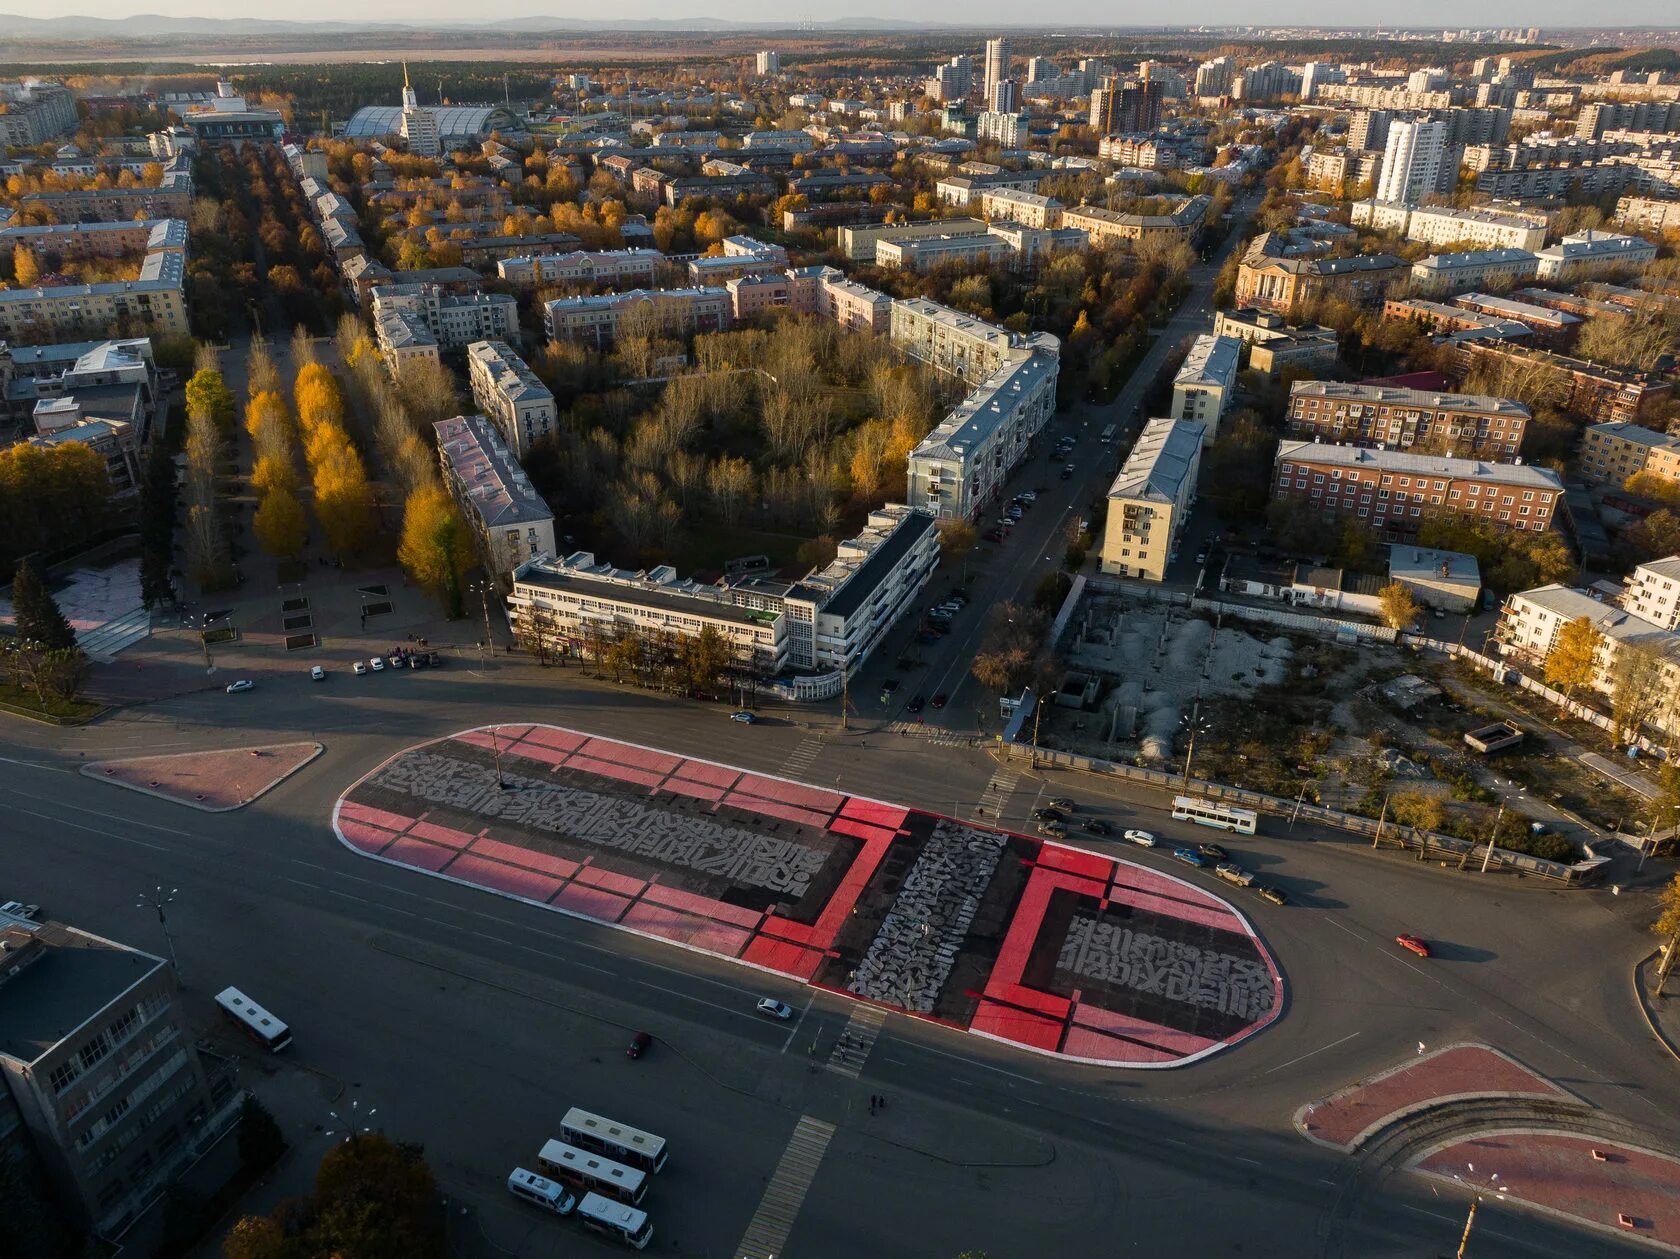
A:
[881,1102]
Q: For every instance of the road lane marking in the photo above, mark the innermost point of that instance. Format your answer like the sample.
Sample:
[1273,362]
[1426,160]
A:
[1310,1053]
[851,1049]
[800,1021]
[92,830]
[768,1231]
[1349,930]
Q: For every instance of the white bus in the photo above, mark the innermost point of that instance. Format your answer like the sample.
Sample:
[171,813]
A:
[540,1191]
[615,1220]
[253,1020]
[1222,817]
[592,1172]
[1108,435]
[616,1140]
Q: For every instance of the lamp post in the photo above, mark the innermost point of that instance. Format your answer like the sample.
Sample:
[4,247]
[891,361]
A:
[1193,725]
[496,750]
[482,588]
[350,1125]
[156,900]
[1487,857]
[1495,1188]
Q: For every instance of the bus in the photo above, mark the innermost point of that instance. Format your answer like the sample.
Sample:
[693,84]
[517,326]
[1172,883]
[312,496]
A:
[592,1172]
[1108,435]
[615,1220]
[254,1021]
[615,1140]
[1222,817]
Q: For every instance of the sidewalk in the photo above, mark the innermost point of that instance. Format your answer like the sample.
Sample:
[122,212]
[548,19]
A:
[1662,1014]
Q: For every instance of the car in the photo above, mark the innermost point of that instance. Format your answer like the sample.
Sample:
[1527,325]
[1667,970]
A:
[916,704]
[1067,472]
[1267,892]
[1144,838]
[1064,804]
[317,674]
[1055,830]
[1189,857]
[1201,557]
[376,663]
[1029,497]
[359,668]
[417,660]
[395,660]
[1438,614]
[638,1045]
[1413,944]
[941,699]
[243,684]
[744,717]
[1233,873]
[1016,511]
[435,660]
[927,638]
[1047,814]
[1096,826]
[1213,852]
[775,1009]
[19,910]
[993,535]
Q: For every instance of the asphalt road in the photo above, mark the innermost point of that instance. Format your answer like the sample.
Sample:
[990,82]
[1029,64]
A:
[471,1021]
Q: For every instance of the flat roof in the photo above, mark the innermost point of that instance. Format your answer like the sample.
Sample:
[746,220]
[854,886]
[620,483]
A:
[1422,562]
[76,976]
[857,588]
[645,595]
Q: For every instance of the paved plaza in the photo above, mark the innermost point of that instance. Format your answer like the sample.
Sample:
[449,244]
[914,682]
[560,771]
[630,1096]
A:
[215,781]
[1046,947]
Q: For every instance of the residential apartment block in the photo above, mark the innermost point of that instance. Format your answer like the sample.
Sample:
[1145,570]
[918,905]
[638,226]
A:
[961,344]
[1014,206]
[1103,225]
[1653,592]
[33,113]
[605,266]
[858,243]
[154,304]
[1274,344]
[1590,253]
[1442,275]
[1452,319]
[1443,225]
[1614,451]
[103,1067]
[1392,491]
[454,320]
[596,320]
[1648,214]
[961,466]
[1149,502]
[1467,425]
[510,395]
[855,307]
[1203,389]
[1604,393]
[511,524]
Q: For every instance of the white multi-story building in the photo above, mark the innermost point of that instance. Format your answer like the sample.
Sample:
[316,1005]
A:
[1589,253]
[419,126]
[1442,274]
[1149,502]
[455,320]
[961,467]
[997,65]
[1412,160]
[958,343]
[1015,206]
[767,64]
[857,243]
[581,266]
[509,393]
[510,521]
[1653,592]
[1006,128]
[1488,229]
[34,113]
[1205,384]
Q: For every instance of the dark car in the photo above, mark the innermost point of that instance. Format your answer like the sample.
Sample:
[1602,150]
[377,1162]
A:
[1047,815]
[927,638]
[1213,852]
[638,1045]
[1188,857]
[1096,826]
[435,660]
[940,699]
[993,535]
[417,660]
[1268,892]
[916,704]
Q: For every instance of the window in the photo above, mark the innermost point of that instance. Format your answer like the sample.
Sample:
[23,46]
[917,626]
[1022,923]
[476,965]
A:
[64,1075]
[95,1050]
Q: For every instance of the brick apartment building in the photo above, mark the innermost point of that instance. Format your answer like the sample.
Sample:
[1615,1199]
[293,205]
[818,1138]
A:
[1467,425]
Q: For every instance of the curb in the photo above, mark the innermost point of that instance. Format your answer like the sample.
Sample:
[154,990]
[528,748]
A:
[1645,1005]
[89,769]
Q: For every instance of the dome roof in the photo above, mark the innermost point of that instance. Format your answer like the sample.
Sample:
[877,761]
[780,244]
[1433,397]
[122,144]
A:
[454,121]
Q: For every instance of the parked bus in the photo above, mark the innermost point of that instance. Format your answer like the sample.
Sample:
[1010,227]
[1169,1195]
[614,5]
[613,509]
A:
[540,1191]
[1108,435]
[592,1172]
[253,1020]
[616,1140]
[1210,813]
[615,1220]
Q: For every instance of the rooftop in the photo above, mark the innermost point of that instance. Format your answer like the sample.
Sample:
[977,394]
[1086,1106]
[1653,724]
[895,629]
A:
[1520,474]
[1637,433]
[580,573]
[73,977]
[1471,258]
[851,581]
[1383,395]
[1421,563]
[1167,451]
[1212,361]
[980,414]
[1571,603]
[487,475]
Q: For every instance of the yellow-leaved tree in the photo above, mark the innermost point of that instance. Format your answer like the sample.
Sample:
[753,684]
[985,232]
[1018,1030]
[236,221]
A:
[436,548]
[280,524]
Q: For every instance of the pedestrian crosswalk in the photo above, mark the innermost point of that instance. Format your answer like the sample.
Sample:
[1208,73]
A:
[851,1051]
[803,756]
[995,798]
[771,1224]
[934,734]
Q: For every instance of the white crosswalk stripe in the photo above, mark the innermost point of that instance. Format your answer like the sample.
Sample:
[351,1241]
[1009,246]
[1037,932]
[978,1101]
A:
[995,798]
[800,760]
[934,734]
[771,1224]
[851,1051]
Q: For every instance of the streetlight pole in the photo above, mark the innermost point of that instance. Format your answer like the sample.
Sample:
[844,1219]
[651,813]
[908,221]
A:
[156,900]
[1194,724]
[484,602]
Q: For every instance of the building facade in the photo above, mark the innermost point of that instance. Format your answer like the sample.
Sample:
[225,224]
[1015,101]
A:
[455,320]
[606,266]
[1205,384]
[511,524]
[1653,592]
[508,392]
[1468,425]
[1614,451]
[1149,502]
[597,320]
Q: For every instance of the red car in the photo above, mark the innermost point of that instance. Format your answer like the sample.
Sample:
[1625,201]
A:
[1413,944]
[638,1045]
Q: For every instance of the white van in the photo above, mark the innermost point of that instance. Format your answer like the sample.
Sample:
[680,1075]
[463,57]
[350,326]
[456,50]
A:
[540,1191]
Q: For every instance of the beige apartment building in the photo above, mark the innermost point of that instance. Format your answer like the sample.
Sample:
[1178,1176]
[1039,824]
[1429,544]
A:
[509,393]
[1612,452]
[1103,225]
[1149,502]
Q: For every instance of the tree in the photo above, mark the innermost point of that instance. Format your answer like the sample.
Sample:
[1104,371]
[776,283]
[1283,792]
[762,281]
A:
[39,619]
[436,548]
[24,267]
[1636,675]
[1398,607]
[260,1140]
[1668,920]
[704,657]
[1572,660]
[956,539]
[280,525]
[259,1237]
[1419,809]
[209,396]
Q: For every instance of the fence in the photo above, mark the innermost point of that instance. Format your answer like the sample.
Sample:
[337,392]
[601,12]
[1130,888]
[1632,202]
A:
[1428,843]
[1302,621]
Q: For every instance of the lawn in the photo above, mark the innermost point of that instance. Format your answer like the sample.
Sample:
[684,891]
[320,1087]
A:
[24,702]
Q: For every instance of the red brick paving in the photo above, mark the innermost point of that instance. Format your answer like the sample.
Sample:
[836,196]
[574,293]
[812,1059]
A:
[1344,1118]
[215,781]
[1556,1172]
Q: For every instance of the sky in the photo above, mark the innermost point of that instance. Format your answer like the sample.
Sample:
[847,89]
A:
[1496,13]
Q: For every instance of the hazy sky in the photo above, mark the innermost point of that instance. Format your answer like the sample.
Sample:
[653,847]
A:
[1494,13]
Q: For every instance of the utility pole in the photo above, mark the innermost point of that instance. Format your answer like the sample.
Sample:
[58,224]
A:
[845,694]
[484,602]
[1377,839]
[496,749]
[1038,710]
[1469,1223]
[157,899]
[1668,960]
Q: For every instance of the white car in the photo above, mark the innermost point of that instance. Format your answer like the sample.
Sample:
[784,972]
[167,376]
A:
[358,668]
[376,663]
[775,1009]
[244,684]
[1141,837]
[317,674]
